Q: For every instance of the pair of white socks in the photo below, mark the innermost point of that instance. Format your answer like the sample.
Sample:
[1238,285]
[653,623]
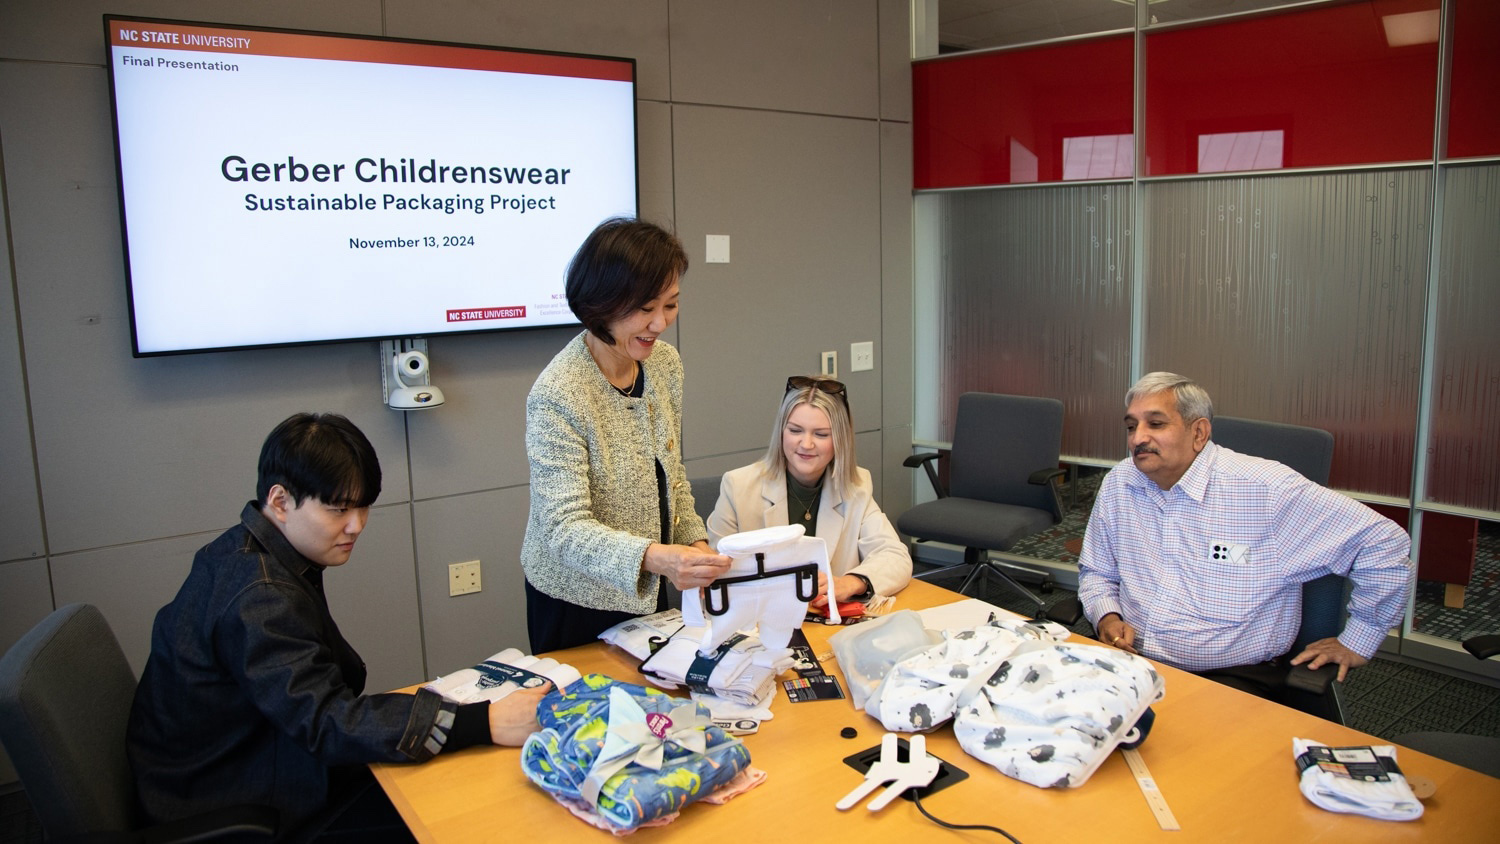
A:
[1330,785]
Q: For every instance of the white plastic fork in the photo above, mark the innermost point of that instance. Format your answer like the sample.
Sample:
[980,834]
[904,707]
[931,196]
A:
[917,772]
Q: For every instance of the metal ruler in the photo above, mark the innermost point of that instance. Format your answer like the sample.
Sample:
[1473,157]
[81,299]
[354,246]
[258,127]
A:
[1158,803]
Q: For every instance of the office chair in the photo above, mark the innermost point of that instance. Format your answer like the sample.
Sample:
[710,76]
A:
[705,494]
[1309,451]
[65,696]
[1002,473]
[1480,753]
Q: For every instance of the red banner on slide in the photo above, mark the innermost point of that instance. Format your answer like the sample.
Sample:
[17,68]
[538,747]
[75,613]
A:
[254,42]
[471,314]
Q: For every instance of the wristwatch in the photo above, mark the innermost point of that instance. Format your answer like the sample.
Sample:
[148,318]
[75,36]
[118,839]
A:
[869,592]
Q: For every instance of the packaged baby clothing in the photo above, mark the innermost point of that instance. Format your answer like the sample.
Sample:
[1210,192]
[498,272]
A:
[922,691]
[867,652]
[1358,780]
[502,674]
[639,637]
[626,754]
[1050,713]
[735,670]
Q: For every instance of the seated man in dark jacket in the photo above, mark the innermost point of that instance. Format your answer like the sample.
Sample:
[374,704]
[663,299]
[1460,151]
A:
[251,695]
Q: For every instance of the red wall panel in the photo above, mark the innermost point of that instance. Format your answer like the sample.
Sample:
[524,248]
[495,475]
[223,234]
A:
[1474,116]
[967,111]
[1328,78]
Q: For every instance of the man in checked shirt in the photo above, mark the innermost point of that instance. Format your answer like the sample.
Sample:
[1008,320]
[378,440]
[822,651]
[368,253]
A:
[1195,555]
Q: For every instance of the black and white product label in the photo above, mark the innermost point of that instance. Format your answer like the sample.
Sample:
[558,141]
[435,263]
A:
[1357,763]
[804,661]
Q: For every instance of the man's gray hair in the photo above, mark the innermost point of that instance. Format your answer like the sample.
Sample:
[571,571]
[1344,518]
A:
[1192,400]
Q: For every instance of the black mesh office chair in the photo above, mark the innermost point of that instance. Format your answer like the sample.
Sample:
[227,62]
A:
[1002,476]
[65,695]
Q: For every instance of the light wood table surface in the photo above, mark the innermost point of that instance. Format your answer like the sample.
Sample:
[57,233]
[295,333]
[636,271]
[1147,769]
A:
[1221,758]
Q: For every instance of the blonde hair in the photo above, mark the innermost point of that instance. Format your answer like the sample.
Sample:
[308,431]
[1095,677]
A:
[841,472]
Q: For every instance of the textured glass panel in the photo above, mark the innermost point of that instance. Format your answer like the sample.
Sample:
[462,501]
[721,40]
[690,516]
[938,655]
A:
[1341,84]
[1474,118]
[1035,301]
[1298,299]
[1013,116]
[1464,450]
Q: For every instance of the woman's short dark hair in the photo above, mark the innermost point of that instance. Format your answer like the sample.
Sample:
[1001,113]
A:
[322,456]
[622,265]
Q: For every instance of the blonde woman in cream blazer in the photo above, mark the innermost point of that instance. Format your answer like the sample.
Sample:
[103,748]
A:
[812,446]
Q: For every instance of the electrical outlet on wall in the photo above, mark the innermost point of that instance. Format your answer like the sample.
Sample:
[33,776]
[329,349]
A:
[463,578]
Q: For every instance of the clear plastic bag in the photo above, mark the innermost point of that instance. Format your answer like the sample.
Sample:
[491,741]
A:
[867,651]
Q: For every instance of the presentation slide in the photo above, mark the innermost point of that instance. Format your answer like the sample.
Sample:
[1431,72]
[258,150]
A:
[285,188]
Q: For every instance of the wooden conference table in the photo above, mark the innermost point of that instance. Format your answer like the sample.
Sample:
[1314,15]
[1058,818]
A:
[1222,760]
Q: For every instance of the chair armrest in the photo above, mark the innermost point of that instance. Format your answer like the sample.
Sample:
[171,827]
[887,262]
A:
[925,461]
[1316,682]
[1042,476]
[1066,612]
[1483,647]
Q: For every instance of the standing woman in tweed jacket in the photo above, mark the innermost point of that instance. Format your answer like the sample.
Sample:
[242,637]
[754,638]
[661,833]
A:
[611,510]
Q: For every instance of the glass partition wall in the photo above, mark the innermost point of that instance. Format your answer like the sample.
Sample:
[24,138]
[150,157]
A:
[1296,204]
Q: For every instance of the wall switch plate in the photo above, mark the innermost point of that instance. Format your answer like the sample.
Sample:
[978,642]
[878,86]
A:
[463,578]
[861,356]
[716,249]
[829,365]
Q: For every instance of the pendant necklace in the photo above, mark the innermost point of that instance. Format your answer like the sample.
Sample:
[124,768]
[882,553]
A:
[807,506]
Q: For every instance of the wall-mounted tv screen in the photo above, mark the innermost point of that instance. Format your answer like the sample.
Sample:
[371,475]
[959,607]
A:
[282,187]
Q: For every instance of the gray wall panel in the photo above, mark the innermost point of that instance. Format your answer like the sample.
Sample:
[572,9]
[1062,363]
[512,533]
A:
[635,30]
[129,583]
[73,31]
[893,355]
[777,54]
[804,274]
[654,157]
[719,464]
[20,509]
[108,425]
[488,527]
[868,445]
[477,440]
[895,494]
[25,598]
[374,599]
[895,61]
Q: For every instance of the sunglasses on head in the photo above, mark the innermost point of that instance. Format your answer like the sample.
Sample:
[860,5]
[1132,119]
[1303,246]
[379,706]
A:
[827,385]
